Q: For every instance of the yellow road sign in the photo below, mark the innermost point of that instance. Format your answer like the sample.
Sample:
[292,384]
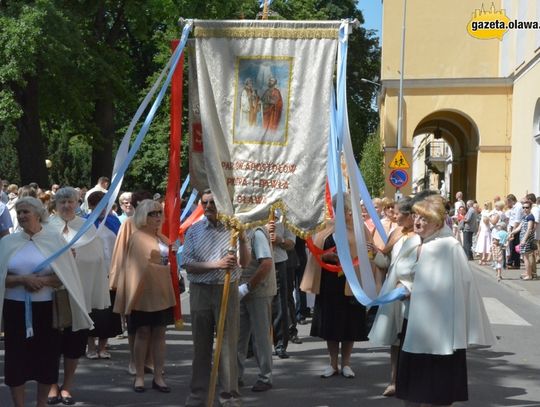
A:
[399,161]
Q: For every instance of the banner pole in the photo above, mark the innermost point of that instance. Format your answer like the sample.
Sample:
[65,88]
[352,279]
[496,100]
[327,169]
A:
[221,325]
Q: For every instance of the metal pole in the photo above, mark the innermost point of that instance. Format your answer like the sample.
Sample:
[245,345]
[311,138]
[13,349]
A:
[400,103]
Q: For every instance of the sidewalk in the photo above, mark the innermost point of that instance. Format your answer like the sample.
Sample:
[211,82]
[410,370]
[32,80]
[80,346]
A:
[528,289]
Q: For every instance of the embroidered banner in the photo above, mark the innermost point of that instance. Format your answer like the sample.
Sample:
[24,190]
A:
[264,93]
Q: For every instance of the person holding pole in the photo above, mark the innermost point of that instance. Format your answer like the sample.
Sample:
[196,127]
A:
[210,260]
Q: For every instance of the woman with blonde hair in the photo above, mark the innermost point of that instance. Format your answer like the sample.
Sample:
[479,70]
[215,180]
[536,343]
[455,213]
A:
[444,317]
[144,292]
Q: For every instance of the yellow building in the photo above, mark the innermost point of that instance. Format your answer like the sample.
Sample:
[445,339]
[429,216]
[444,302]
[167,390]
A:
[481,96]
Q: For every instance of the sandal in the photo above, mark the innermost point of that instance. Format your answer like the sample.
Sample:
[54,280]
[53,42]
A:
[103,354]
[329,371]
[92,355]
[390,390]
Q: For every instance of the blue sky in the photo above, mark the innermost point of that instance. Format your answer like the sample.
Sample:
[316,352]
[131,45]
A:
[372,11]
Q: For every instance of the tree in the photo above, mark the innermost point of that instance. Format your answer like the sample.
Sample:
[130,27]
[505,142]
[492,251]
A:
[372,164]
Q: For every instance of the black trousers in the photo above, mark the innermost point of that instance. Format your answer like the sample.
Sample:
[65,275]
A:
[280,307]
[514,256]
[467,244]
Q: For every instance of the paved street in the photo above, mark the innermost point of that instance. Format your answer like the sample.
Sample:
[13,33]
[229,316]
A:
[504,375]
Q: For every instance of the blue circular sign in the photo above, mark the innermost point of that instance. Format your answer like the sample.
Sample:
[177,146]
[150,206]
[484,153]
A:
[398,178]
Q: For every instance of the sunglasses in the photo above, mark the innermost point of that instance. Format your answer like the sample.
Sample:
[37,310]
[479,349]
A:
[526,207]
[155,214]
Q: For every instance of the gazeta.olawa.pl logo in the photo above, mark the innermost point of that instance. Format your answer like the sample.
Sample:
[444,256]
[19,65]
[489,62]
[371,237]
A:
[486,25]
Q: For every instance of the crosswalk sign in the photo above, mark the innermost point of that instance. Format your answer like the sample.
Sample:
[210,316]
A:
[399,161]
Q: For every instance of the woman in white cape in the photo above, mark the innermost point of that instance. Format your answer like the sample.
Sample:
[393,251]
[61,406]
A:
[446,315]
[389,319]
[32,348]
[89,256]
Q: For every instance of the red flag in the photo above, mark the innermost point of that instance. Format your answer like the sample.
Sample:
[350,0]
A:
[172,195]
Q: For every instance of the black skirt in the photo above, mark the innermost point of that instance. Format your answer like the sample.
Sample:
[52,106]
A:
[35,358]
[431,379]
[107,324]
[337,317]
[156,318]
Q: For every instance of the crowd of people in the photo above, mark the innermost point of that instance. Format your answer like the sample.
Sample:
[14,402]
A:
[117,275]
[503,234]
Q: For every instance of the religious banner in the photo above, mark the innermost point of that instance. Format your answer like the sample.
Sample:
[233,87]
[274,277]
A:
[264,93]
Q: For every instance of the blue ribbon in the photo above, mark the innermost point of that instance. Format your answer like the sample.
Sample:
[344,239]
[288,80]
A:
[122,169]
[184,186]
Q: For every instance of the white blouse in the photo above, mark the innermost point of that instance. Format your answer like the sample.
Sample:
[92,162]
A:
[22,263]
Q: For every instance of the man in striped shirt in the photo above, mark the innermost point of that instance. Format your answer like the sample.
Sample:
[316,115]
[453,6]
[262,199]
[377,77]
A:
[207,256]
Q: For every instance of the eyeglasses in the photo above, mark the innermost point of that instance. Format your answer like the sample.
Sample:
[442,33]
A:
[204,203]
[155,214]
[526,207]
[125,203]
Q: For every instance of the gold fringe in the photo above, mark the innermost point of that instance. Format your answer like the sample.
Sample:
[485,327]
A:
[233,223]
[280,33]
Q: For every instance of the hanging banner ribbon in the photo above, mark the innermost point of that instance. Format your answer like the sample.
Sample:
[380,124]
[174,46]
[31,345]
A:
[264,92]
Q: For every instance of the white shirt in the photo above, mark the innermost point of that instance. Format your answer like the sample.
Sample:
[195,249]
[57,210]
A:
[535,211]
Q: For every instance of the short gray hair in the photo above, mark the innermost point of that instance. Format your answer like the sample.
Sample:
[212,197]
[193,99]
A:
[66,193]
[36,205]
[142,210]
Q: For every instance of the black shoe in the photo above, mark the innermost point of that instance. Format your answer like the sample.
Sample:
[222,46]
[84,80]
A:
[295,339]
[51,401]
[282,354]
[261,386]
[162,389]
[66,400]
[138,389]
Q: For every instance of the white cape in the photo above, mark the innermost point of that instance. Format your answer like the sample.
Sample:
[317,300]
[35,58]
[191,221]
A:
[446,310]
[90,259]
[48,242]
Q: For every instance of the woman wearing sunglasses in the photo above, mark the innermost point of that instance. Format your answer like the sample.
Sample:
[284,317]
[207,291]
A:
[146,293]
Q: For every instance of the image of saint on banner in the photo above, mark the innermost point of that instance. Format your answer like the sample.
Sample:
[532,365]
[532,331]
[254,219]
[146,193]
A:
[399,161]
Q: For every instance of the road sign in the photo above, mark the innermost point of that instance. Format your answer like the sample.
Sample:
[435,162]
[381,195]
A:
[399,161]
[398,178]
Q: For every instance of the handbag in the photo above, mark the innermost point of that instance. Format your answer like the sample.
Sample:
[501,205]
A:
[61,308]
[381,261]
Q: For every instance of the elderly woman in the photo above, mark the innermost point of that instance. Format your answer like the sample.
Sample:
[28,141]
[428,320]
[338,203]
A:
[89,257]
[146,293]
[337,317]
[445,315]
[32,346]
[403,244]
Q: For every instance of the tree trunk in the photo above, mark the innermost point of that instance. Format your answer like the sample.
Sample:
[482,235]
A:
[30,144]
[102,158]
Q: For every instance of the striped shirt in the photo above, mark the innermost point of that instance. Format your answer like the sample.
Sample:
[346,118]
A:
[205,242]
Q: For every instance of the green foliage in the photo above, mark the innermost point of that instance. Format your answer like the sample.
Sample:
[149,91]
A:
[372,164]
[85,53]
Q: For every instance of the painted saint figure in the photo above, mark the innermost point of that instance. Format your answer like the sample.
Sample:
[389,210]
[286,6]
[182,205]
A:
[272,104]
